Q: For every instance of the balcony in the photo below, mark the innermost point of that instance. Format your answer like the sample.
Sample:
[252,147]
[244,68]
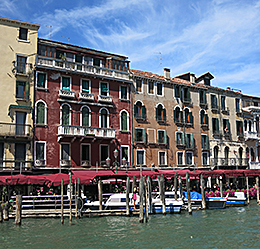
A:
[10,164]
[69,130]
[225,111]
[105,99]
[204,105]
[86,96]
[161,120]
[214,108]
[229,162]
[22,69]
[250,135]
[15,130]
[78,67]
[66,94]
[140,117]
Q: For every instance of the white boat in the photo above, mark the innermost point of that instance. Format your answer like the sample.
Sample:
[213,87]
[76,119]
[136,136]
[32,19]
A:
[216,202]
[238,200]
[171,205]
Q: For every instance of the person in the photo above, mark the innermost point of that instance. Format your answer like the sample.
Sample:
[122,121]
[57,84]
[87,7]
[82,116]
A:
[134,195]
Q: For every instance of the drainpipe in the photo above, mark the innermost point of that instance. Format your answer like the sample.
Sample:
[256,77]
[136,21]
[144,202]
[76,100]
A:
[131,116]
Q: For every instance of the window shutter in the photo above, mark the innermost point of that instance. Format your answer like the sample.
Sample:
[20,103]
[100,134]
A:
[217,124]
[191,117]
[144,135]
[165,137]
[27,89]
[124,121]
[156,114]
[207,142]
[85,117]
[241,125]
[202,141]
[181,113]
[143,112]
[174,115]
[201,118]
[191,141]
[164,115]
[206,119]
[182,138]
[188,94]
[180,95]
[228,126]
[135,111]
[135,135]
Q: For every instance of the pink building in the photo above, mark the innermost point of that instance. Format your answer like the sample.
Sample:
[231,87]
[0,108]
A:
[82,106]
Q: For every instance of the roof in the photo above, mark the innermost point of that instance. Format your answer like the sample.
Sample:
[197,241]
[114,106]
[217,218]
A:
[18,22]
[206,74]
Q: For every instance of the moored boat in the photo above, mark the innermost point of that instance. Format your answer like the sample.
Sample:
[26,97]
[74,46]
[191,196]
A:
[216,202]
[238,200]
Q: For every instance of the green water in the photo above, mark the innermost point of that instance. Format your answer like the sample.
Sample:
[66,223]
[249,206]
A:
[227,228]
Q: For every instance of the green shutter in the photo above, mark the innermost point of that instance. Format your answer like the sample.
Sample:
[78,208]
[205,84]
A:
[143,112]
[144,135]
[174,115]
[180,95]
[207,142]
[135,110]
[228,126]
[191,117]
[85,117]
[40,118]
[27,90]
[217,124]
[202,141]
[124,121]
[188,94]
[181,116]
[156,114]
[164,115]
[191,141]
[40,80]
[182,138]
[206,119]
[165,137]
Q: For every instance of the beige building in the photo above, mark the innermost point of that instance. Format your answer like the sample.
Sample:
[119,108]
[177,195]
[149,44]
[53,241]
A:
[18,47]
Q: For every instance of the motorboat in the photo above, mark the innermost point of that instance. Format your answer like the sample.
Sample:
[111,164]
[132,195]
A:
[238,200]
[171,205]
[196,200]
[216,202]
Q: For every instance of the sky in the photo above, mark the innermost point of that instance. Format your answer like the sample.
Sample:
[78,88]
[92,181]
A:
[217,36]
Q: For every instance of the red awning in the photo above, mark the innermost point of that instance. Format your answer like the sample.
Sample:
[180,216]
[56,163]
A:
[252,172]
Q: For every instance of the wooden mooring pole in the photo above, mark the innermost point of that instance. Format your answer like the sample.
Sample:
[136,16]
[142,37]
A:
[180,187]
[70,197]
[61,200]
[257,189]
[6,212]
[127,196]
[163,195]
[149,187]
[141,203]
[247,190]
[221,186]
[75,195]
[18,210]
[1,214]
[100,197]
[202,185]
[79,212]
[175,186]
[146,200]
[188,192]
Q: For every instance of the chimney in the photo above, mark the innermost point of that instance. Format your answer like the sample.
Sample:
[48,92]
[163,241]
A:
[167,73]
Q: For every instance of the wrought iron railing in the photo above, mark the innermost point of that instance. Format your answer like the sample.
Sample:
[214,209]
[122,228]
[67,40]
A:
[19,130]
[229,162]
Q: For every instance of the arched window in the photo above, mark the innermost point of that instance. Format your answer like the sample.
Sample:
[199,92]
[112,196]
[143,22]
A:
[124,121]
[226,152]
[139,110]
[240,152]
[188,116]
[245,125]
[249,125]
[252,152]
[160,113]
[85,113]
[257,125]
[40,113]
[178,115]
[104,118]
[203,118]
[216,149]
[65,114]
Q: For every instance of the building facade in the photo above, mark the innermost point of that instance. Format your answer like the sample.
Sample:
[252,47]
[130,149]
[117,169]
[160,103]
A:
[82,107]
[18,52]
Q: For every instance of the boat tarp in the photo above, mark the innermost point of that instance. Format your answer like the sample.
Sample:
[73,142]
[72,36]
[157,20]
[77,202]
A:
[193,195]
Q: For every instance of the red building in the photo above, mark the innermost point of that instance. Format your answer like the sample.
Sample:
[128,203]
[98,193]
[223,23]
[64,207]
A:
[82,106]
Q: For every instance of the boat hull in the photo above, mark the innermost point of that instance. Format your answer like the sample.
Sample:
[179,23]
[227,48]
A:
[216,203]
[170,209]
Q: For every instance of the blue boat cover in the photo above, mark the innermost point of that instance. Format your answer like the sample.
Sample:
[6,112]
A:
[193,195]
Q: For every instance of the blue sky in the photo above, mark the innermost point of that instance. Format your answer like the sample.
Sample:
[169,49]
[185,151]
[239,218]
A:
[219,36]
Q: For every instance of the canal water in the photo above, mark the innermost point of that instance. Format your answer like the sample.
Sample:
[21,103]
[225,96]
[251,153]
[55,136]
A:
[227,228]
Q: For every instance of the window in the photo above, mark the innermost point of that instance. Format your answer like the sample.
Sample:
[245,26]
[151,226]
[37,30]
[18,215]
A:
[124,92]
[162,158]
[203,99]
[139,110]
[40,113]
[214,103]
[65,83]
[162,137]
[186,94]
[65,153]
[189,141]
[103,118]
[140,135]
[160,113]
[85,86]
[188,116]
[65,114]
[204,142]
[85,154]
[178,92]
[85,113]
[237,105]
[41,80]
[203,118]
[223,102]
[178,115]
[180,158]
[226,126]
[103,154]
[104,89]
[180,138]
[21,64]
[189,158]
[20,155]
[23,34]
[40,152]
[245,124]
[239,128]
[78,58]
[205,158]
[159,89]
[139,86]
[215,126]
[96,62]
[150,87]
[125,153]
[22,90]
[20,120]
[124,121]
[140,157]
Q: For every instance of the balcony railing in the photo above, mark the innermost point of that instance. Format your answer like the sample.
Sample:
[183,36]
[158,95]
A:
[22,68]
[66,94]
[68,130]
[10,164]
[103,98]
[15,130]
[86,96]
[250,135]
[73,66]
[218,162]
